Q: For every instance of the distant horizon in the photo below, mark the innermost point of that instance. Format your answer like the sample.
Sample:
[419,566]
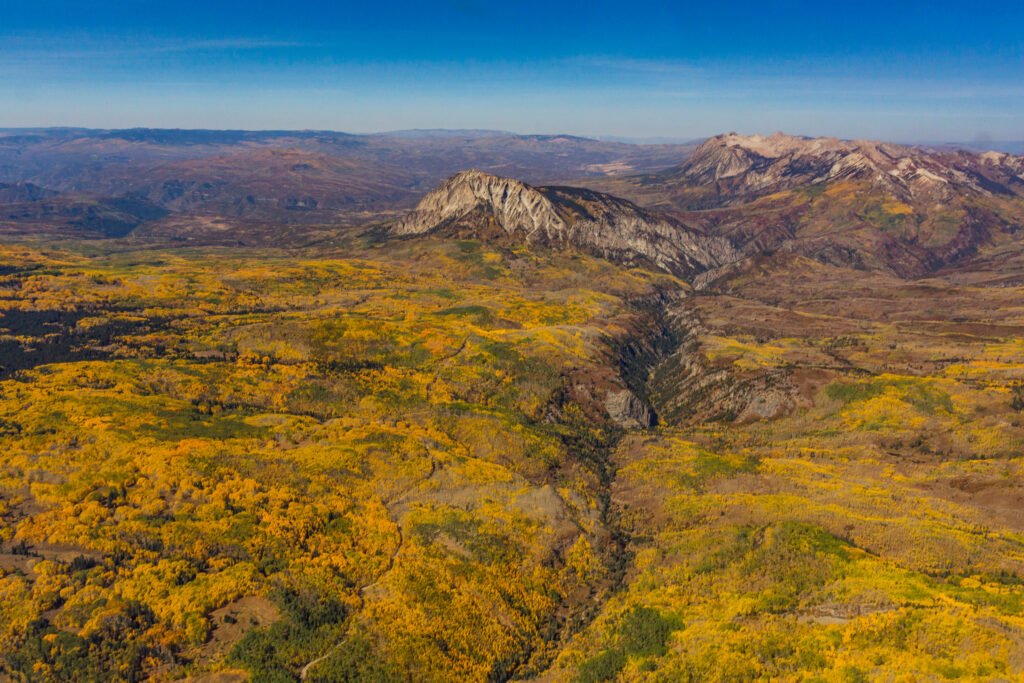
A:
[994,144]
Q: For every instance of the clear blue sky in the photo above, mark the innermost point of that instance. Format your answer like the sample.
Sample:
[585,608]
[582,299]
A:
[899,69]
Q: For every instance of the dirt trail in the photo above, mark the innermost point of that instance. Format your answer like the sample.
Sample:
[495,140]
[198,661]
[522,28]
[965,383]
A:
[304,672]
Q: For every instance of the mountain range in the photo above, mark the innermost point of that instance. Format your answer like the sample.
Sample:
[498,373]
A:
[906,210]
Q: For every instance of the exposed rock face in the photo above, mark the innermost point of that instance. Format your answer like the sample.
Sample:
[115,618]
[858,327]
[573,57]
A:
[627,410]
[482,205]
[516,207]
[737,167]
[686,388]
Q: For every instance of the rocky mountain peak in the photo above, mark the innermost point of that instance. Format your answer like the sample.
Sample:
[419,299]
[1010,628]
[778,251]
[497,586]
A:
[517,208]
[481,205]
[738,167]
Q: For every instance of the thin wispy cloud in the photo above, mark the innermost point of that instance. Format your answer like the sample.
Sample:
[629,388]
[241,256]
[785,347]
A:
[230,44]
[23,50]
[666,67]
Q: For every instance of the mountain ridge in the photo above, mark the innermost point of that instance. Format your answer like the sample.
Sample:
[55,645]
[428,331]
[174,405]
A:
[480,204]
[739,167]
[869,205]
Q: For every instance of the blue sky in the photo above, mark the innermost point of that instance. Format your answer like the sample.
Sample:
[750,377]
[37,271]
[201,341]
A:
[902,69]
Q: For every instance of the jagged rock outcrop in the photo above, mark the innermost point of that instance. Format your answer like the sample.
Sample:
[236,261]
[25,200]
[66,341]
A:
[482,205]
[627,410]
[516,207]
